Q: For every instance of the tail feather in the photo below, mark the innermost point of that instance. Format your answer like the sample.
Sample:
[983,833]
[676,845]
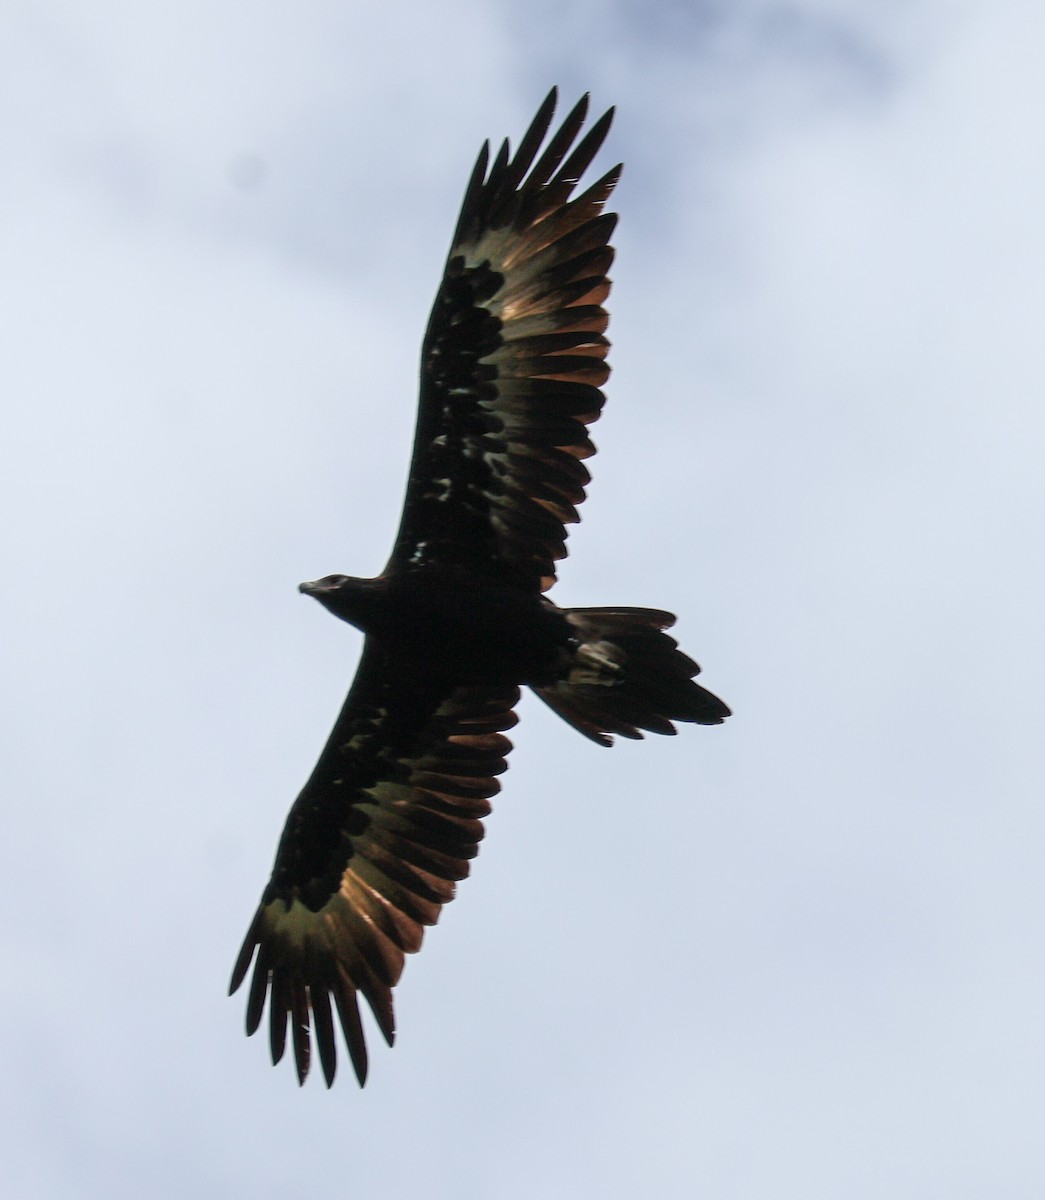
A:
[627,676]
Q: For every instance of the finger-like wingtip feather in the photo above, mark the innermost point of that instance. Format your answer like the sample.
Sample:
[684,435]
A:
[559,144]
[239,971]
[323,1024]
[259,985]
[351,1026]
[579,161]
[300,1030]
[279,1011]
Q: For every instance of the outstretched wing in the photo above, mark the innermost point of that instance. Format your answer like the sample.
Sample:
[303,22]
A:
[513,362]
[370,852]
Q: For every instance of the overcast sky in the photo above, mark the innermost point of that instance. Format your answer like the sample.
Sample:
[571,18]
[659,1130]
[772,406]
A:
[799,956]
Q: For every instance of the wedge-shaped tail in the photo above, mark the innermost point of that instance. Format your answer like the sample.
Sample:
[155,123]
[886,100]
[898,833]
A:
[628,675]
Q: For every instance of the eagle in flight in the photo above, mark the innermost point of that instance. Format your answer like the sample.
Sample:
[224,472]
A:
[512,367]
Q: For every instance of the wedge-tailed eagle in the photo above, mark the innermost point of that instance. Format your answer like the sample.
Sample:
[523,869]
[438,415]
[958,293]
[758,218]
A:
[512,366]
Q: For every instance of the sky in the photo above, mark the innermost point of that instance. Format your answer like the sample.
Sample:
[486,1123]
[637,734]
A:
[800,955]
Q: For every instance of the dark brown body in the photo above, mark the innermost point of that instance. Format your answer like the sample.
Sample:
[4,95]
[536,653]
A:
[458,626]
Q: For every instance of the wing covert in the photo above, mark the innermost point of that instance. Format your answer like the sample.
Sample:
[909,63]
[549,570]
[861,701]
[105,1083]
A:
[386,824]
[513,361]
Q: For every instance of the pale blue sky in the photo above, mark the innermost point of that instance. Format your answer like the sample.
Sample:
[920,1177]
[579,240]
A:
[797,956]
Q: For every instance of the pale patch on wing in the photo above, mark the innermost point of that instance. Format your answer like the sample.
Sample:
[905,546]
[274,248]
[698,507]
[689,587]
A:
[597,663]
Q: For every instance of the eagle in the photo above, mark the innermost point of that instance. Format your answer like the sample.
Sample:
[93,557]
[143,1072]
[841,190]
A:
[512,368]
